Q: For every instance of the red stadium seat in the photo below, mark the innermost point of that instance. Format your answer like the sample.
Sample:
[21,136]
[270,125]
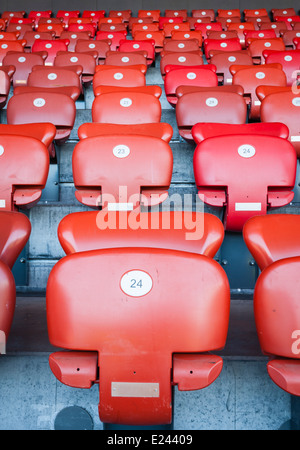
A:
[9,36]
[21,29]
[139,20]
[229,13]
[24,171]
[140,169]
[177,13]
[256,13]
[202,13]
[31,36]
[37,15]
[181,45]
[165,20]
[224,60]
[10,46]
[126,58]
[112,28]
[290,61]
[206,27]
[15,230]
[170,28]
[225,45]
[284,107]
[94,15]
[87,61]
[52,47]
[81,27]
[288,37]
[273,240]
[137,46]
[8,15]
[159,130]
[285,12]
[124,14]
[56,28]
[256,47]
[67,15]
[187,35]
[205,105]
[43,106]
[23,63]
[178,357]
[154,13]
[156,36]
[123,107]
[250,77]
[73,38]
[202,131]
[4,88]
[126,76]
[268,176]
[115,38]
[54,77]
[277,27]
[193,21]
[150,90]
[101,47]
[189,58]
[44,132]
[188,76]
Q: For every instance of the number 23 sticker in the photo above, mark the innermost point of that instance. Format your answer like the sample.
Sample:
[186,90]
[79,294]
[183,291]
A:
[136,283]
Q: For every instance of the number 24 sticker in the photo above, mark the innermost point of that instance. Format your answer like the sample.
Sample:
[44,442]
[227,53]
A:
[136,283]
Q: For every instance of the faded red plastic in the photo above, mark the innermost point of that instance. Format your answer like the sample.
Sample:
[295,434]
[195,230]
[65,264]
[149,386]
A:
[268,177]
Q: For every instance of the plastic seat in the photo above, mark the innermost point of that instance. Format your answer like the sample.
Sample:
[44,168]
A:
[67,15]
[8,15]
[5,83]
[181,45]
[21,29]
[170,28]
[56,28]
[23,63]
[10,46]
[205,27]
[177,13]
[157,36]
[80,27]
[257,21]
[204,13]
[188,76]
[290,61]
[262,12]
[285,12]
[125,14]
[187,35]
[43,106]
[126,58]
[87,61]
[139,167]
[191,58]
[166,20]
[9,36]
[216,105]
[284,107]
[228,13]
[126,108]
[268,176]
[137,46]
[112,28]
[288,37]
[109,21]
[44,132]
[149,89]
[101,47]
[127,76]
[37,15]
[225,21]
[51,47]
[277,27]
[193,21]
[15,230]
[288,20]
[260,34]
[159,130]
[202,131]
[154,13]
[115,38]
[222,34]
[54,76]
[224,60]
[24,171]
[250,77]
[273,240]
[73,38]
[31,36]
[225,45]
[257,46]
[181,360]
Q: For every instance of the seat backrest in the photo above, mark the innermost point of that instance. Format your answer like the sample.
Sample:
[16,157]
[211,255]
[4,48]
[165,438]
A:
[253,76]
[226,45]
[188,76]
[126,58]
[257,46]
[44,132]
[202,131]
[78,27]
[66,15]
[187,231]
[186,45]
[272,237]
[73,38]
[284,107]
[86,45]
[157,36]
[136,164]
[114,37]
[8,36]
[135,45]
[10,46]
[166,20]
[56,28]
[86,60]
[42,106]
[169,28]
[126,76]
[160,130]
[154,13]
[223,61]
[124,14]
[205,27]
[201,13]
[228,13]
[209,106]
[15,229]
[31,36]
[24,171]
[53,76]
[268,177]
[290,61]
[51,47]
[190,58]
[256,12]
[149,89]
[23,63]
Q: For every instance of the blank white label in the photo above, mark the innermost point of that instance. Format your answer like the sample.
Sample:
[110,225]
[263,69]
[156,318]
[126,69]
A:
[120,207]
[121,151]
[2,203]
[149,36]
[126,102]
[246,151]
[74,36]
[135,390]
[39,102]
[187,36]
[248,206]
[136,283]
[295,138]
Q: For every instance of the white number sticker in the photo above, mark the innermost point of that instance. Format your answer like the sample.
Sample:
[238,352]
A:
[1,150]
[212,102]
[296,101]
[260,75]
[121,151]
[52,76]
[118,76]
[136,283]
[126,102]
[39,102]
[246,151]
